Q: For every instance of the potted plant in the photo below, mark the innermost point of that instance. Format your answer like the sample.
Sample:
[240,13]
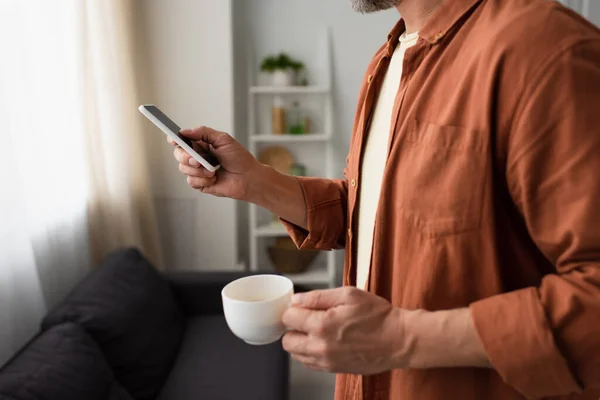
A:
[283,69]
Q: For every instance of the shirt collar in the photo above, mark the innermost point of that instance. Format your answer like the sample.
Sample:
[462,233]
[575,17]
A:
[445,17]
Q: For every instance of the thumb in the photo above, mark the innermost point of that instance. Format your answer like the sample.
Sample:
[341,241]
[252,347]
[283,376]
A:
[322,299]
[207,135]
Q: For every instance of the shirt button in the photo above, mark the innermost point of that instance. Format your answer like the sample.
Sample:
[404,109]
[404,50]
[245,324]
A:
[369,78]
[353,183]
[349,233]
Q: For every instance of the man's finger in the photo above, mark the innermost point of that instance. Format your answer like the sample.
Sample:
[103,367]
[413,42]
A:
[201,146]
[197,144]
[325,299]
[183,157]
[194,171]
[304,320]
[207,135]
[299,343]
[295,343]
[201,183]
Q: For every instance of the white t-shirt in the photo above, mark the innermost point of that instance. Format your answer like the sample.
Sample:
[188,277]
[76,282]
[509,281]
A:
[375,156]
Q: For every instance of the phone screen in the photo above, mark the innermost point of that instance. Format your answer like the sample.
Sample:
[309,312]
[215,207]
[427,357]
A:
[173,127]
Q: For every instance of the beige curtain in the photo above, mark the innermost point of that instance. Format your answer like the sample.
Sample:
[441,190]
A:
[121,211]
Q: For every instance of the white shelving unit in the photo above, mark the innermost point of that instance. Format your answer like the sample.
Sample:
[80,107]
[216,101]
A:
[314,150]
[274,229]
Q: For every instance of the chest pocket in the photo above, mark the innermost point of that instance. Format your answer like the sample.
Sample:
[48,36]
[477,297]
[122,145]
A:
[442,174]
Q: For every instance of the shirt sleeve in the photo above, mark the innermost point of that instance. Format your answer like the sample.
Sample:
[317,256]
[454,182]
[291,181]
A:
[545,341]
[326,208]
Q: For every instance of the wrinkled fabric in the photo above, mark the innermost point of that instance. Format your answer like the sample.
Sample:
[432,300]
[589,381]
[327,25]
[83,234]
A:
[490,199]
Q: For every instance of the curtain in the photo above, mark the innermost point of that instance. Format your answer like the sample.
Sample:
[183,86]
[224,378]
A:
[72,170]
[121,209]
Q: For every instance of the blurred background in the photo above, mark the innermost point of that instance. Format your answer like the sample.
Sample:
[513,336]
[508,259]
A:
[83,173]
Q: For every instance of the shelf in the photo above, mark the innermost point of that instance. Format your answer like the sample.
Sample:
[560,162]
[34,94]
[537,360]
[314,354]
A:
[290,89]
[316,150]
[273,229]
[306,137]
[316,274]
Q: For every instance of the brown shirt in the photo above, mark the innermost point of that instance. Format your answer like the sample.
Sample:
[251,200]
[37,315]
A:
[490,198]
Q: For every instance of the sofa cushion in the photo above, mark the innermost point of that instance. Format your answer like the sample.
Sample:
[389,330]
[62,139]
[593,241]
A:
[128,308]
[214,364]
[61,363]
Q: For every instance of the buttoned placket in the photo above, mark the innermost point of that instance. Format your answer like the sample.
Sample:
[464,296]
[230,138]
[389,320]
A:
[412,59]
[367,112]
[410,64]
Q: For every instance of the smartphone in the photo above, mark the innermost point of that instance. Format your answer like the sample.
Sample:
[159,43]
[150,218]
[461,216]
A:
[169,127]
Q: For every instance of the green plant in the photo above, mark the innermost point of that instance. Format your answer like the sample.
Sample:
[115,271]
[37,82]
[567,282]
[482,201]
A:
[280,62]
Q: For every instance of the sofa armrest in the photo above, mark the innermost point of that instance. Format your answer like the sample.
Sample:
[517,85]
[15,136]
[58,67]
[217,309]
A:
[199,293]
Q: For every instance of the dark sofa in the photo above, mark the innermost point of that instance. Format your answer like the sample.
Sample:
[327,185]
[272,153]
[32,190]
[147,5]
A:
[129,333]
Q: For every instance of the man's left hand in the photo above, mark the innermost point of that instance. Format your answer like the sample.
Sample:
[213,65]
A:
[345,330]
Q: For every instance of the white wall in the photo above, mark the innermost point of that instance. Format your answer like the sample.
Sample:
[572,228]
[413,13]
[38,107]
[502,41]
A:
[189,46]
[295,26]
[594,11]
[188,72]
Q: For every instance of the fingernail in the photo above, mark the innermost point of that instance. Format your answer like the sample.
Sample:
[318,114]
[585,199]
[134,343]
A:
[298,299]
[184,131]
[194,163]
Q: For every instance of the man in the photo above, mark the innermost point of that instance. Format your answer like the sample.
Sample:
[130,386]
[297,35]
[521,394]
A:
[470,211]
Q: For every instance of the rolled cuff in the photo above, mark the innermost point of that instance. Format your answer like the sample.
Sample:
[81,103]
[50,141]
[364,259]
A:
[520,345]
[325,201]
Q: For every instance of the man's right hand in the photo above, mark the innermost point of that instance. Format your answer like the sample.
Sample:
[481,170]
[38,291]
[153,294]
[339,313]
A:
[241,176]
[238,165]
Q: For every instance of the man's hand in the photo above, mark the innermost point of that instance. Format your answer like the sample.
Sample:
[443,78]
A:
[233,179]
[241,176]
[347,330]
[344,330]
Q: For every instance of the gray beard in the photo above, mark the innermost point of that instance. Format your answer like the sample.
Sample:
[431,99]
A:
[370,6]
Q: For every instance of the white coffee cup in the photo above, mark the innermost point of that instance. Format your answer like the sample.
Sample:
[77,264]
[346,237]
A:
[254,305]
